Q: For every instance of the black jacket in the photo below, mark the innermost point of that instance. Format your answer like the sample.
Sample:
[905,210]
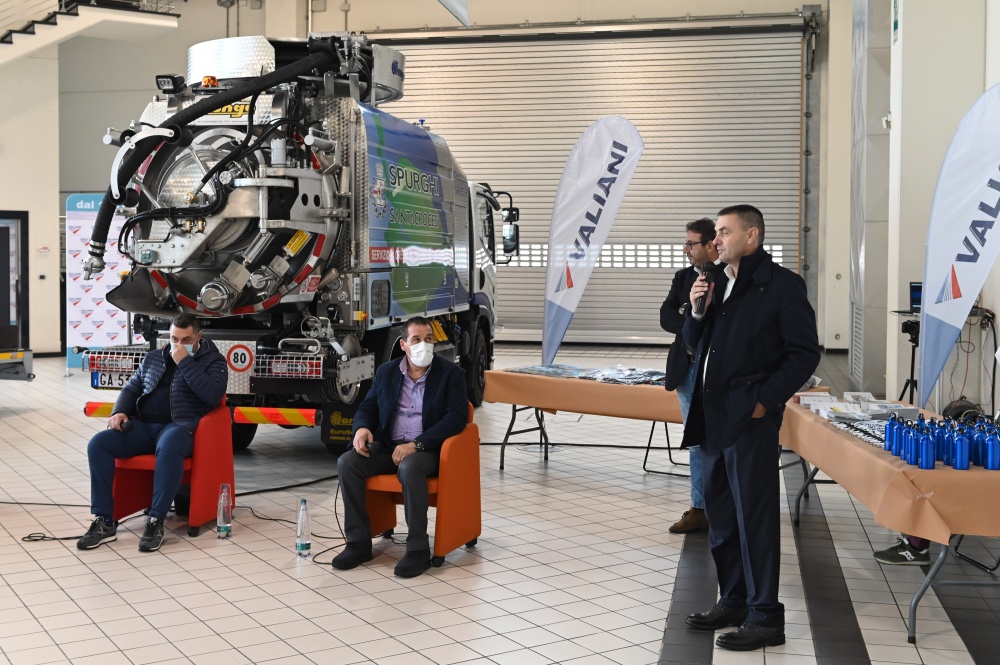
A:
[760,345]
[198,385]
[446,405]
[671,320]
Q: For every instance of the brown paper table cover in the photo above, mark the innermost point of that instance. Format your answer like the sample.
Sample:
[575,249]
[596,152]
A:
[552,394]
[928,503]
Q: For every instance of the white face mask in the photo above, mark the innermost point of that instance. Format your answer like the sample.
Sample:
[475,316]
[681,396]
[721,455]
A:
[189,348]
[421,354]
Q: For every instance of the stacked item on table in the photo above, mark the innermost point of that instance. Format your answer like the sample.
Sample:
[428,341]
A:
[854,408]
[958,444]
[631,376]
[554,370]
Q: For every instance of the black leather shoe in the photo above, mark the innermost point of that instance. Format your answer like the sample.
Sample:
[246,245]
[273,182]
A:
[413,563]
[353,555]
[718,617]
[752,636]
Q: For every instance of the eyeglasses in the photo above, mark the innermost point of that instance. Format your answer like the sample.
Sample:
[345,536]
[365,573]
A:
[690,244]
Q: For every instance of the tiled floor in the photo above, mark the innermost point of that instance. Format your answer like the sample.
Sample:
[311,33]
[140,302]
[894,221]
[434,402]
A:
[575,564]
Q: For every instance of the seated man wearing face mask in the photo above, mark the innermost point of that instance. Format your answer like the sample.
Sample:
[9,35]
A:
[414,404]
[157,413]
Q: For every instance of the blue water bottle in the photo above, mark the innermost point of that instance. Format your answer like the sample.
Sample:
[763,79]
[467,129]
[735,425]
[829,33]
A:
[911,445]
[992,461]
[905,437]
[925,454]
[939,435]
[962,451]
[890,431]
[949,445]
[978,447]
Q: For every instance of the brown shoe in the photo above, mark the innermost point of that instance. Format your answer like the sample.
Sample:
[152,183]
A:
[691,520]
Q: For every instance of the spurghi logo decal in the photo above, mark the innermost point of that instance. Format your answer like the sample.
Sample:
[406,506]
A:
[237,110]
[378,192]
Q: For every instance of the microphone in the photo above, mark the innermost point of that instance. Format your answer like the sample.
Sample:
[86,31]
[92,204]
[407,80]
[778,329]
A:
[699,304]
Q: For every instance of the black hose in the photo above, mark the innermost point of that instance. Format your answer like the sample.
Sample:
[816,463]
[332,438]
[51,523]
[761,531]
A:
[182,118]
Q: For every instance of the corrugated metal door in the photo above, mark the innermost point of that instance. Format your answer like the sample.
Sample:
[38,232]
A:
[720,115]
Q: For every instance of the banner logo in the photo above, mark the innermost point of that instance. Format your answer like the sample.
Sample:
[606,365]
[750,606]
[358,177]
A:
[566,281]
[951,290]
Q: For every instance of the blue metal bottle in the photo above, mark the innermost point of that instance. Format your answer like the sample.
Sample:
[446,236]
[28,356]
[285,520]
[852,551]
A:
[925,452]
[891,426]
[949,445]
[939,436]
[905,439]
[978,447]
[962,445]
[910,447]
[992,457]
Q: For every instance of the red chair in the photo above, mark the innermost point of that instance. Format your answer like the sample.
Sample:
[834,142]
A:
[210,465]
[455,492]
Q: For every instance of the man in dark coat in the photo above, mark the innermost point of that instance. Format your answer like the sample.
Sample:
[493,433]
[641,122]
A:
[759,345]
[157,412]
[681,365]
[414,405]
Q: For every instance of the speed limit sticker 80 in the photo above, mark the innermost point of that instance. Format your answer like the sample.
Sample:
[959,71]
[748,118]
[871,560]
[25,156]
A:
[240,358]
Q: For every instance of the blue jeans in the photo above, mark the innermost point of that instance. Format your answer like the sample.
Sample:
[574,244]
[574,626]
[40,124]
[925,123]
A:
[684,391]
[170,442]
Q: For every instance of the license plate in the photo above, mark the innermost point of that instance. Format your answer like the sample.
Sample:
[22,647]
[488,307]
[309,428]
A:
[108,380]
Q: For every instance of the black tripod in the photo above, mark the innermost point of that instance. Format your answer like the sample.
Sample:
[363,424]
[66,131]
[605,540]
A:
[911,328]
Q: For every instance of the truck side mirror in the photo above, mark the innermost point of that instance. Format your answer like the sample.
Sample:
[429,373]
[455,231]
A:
[511,238]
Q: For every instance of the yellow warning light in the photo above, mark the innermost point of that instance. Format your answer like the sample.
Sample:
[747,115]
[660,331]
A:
[209,82]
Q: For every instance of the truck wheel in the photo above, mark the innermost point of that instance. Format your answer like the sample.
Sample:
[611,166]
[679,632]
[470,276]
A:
[475,372]
[242,436]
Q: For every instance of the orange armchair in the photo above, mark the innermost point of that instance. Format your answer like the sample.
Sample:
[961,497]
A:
[210,465]
[455,492]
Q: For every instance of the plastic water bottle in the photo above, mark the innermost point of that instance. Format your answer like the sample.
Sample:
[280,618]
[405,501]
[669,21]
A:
[303,541]
[962,451]
[992,456]
[224,519]
[925,455]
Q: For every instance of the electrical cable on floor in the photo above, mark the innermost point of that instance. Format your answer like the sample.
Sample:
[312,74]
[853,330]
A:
[44,537]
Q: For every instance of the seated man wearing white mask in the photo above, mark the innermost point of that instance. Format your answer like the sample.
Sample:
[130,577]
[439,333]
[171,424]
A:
[157,413]
[414,405]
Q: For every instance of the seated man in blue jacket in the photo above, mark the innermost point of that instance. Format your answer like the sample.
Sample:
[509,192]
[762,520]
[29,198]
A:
[414,405]
[157,413]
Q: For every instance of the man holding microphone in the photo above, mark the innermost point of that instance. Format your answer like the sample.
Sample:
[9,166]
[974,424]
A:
[757,333]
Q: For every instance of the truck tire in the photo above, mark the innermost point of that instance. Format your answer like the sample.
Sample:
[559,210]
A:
[475,371]
[242,436]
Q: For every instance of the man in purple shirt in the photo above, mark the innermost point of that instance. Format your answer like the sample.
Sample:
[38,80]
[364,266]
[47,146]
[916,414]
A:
[414,404]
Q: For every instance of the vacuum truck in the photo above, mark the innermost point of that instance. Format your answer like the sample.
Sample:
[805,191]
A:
[267,193]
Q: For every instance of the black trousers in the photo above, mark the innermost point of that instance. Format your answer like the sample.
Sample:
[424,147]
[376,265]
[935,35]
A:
[742,503]
[354,469]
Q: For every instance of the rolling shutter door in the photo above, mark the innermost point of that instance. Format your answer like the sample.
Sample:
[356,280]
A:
[720,115]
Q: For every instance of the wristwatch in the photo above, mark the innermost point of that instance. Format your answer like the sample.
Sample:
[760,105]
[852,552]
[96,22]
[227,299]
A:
[419,446]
